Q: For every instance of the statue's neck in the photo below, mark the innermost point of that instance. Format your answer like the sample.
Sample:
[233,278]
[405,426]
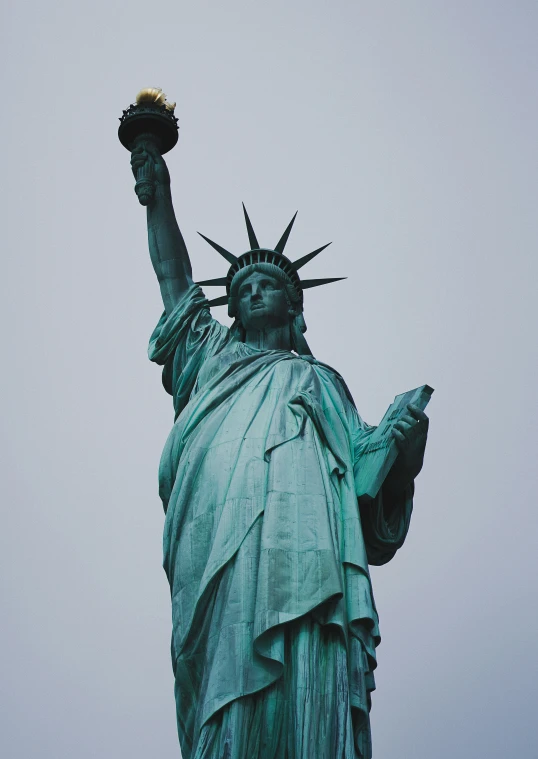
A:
[270,338]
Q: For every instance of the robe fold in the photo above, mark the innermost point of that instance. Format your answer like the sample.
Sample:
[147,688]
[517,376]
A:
[265,548]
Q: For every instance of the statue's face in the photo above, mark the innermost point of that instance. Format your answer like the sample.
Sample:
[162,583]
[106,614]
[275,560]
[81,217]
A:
[262,302]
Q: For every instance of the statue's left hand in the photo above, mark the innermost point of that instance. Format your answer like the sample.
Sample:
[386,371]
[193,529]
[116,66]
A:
[410,433]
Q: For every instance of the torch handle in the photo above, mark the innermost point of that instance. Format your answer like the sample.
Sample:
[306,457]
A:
[145,176]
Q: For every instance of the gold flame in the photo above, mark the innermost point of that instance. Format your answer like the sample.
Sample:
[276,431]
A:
[154,95]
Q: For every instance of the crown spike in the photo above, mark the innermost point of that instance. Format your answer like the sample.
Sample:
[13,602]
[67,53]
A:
[223,252]
[214,282]
[305,259]
[254,244]
[306,284]
[221,301]
[281,244]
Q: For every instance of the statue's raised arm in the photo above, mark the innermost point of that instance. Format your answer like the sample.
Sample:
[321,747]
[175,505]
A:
[167,248]
[148,129]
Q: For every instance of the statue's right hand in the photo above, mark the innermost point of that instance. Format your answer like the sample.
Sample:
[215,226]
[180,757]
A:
[145,154]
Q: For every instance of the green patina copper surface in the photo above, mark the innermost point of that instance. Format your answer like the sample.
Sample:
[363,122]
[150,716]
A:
[266,546]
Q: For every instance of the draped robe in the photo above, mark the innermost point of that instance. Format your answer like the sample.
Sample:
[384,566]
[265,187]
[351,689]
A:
[266,549]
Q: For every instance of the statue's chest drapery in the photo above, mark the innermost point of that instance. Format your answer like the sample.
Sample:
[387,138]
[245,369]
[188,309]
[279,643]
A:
[237,353]
[266,433]
[267,395]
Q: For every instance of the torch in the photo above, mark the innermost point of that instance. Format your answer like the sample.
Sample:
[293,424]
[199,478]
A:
[149,120]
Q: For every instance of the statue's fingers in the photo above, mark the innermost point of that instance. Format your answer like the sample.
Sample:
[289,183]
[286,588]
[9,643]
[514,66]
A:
[154,152]
[140,157]
[408,418]
[403,427]
[417,413]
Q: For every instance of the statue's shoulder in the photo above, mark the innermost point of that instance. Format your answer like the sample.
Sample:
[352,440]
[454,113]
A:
[332,375]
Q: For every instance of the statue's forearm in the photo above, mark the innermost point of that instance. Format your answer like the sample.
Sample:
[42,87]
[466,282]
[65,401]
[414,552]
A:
[167,249]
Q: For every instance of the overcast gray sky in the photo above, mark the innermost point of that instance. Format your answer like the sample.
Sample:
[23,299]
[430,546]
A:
[406,132]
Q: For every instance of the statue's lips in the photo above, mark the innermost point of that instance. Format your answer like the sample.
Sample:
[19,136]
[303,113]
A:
[258,306]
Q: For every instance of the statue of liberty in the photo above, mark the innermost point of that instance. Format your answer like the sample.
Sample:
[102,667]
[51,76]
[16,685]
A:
[266,546]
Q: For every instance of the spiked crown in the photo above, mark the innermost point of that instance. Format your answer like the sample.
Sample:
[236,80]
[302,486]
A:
[265,256]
